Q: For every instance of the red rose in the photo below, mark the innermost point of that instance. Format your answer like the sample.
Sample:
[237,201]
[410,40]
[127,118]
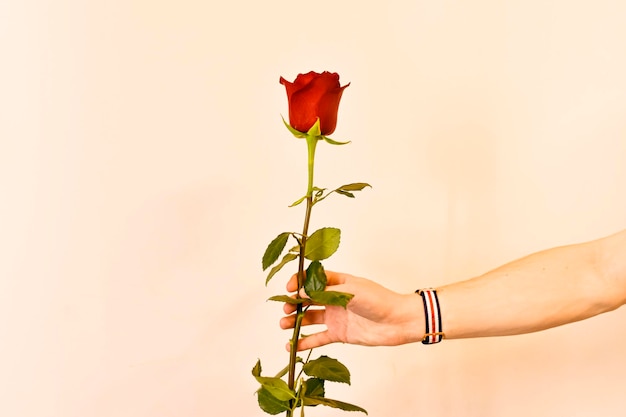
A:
[314,95]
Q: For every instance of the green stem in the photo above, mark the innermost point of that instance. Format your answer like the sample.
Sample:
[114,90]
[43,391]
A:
[311,142]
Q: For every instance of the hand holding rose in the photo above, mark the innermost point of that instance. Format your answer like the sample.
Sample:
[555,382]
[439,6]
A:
[376,316]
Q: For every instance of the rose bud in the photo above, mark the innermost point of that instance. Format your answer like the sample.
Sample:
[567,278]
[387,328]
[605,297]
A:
[312,96]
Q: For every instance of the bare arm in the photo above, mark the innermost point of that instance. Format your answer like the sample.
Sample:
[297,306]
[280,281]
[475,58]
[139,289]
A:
[543,290]
[540,291]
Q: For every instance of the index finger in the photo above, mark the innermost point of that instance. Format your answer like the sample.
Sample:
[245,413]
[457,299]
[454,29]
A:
[292,284]
[335,278]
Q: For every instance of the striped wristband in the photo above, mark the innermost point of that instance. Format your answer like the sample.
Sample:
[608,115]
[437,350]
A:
[434,331]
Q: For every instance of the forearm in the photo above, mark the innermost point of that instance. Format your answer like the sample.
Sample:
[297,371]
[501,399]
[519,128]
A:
[543,290]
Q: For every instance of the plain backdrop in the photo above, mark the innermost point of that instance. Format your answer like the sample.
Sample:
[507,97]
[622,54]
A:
[144,167]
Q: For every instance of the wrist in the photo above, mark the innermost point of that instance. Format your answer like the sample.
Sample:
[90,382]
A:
[415,322]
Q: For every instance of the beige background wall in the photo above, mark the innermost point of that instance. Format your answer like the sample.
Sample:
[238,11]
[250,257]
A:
[144,167]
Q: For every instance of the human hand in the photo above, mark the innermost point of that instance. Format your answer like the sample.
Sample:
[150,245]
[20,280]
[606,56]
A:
[376,316]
